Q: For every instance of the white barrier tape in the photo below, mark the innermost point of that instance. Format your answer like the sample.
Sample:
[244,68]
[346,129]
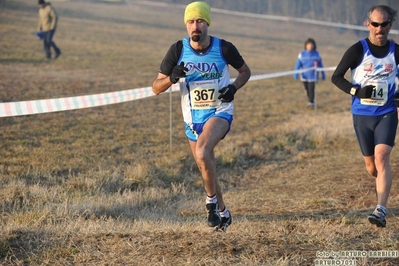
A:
[87,101]
[286,73]
[71,103]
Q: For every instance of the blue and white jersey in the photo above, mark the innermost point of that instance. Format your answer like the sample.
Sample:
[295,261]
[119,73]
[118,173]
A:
[381,73]
[309,59]
[207,73]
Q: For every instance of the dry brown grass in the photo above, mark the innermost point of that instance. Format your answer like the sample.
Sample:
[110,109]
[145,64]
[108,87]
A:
[100,186]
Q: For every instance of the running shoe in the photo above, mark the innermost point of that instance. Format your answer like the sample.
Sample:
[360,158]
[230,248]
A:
[226,222]
[214,218]
[378,218]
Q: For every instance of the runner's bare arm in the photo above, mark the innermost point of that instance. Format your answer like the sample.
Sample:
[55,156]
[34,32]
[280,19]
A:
[244,73]
[161,83]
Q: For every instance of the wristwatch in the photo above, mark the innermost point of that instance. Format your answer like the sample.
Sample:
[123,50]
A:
[353,91]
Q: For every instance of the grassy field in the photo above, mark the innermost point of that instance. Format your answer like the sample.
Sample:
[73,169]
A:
[101,186]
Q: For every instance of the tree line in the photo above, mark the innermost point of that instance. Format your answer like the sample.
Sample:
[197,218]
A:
[343,11]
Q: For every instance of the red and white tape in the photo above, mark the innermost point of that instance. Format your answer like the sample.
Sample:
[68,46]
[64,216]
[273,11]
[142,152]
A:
[8,109]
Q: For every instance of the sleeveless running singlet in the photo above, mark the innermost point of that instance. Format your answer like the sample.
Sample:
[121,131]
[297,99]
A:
[379,72]
[207,73]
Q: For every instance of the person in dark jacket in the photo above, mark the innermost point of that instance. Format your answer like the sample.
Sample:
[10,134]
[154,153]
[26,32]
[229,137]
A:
[309,58]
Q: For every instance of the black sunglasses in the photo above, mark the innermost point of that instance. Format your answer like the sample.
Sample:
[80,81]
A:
[383,24]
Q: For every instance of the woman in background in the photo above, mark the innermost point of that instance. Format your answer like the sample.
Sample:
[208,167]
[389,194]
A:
[309,58]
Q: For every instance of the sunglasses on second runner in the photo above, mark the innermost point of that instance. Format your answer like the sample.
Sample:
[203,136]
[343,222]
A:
[383,24]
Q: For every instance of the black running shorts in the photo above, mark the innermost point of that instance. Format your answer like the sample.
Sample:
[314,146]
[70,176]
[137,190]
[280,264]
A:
[374,130]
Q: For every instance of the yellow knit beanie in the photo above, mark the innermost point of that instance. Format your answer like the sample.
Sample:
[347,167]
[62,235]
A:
[199,10]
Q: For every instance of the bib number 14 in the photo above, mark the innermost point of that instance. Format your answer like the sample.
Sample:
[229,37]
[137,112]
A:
[377,93]
[379,96]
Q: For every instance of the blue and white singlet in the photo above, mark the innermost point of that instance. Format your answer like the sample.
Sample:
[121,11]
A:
[207,73]
[381,73]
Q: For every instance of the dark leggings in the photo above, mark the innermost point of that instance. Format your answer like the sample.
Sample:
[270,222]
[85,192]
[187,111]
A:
[309,87]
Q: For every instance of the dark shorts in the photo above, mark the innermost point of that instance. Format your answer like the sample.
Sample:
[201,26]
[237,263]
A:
[374,130]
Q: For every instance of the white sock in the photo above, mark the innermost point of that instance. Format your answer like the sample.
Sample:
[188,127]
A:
[224,213]
[211,199]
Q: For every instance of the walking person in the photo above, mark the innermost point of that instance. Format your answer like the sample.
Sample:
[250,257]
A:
[309,58]
[373,62]
[48,23]
[206,97]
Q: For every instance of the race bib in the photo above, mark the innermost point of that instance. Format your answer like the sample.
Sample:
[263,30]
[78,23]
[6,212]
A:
[379,96]
[204,94]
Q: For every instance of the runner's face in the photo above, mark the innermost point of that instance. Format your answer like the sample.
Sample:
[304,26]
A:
[379,34]
[197,29]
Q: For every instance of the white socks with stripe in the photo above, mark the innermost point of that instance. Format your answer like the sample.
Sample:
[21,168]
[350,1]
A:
[212,199]
[224,213]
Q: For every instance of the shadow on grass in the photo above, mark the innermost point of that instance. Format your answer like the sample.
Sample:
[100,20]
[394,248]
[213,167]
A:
[315,215]
[23,61]
[18,245]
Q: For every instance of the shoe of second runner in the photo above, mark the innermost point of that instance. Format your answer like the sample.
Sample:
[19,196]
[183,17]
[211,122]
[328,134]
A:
[378,218]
